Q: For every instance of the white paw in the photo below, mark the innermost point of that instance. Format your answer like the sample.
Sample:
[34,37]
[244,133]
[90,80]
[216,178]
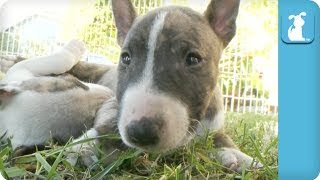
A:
[76,48]
[88,156]
[12,87]
[72,158]
[84,151]
[236,160]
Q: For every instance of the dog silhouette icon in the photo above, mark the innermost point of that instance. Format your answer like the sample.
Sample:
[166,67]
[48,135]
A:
[295,30]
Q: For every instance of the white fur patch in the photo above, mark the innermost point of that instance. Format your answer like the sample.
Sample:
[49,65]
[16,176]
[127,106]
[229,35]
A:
[156,29]
[84,149]
[40,112]
[56,63]
[236,160]
[99,88]
[216,123]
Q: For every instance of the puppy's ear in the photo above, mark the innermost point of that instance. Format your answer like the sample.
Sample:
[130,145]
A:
[124,15]
[222,15]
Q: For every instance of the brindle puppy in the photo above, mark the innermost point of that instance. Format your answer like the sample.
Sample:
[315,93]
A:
[165,83]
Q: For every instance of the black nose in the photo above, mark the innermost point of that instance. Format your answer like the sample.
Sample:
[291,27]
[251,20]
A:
[144,131]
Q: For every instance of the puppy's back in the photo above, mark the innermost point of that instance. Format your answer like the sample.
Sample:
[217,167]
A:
[50,107]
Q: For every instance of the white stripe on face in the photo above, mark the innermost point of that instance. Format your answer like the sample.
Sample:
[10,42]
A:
[156,29]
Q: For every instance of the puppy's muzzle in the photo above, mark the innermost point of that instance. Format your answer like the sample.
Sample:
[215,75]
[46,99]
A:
[152,121]
[144,132]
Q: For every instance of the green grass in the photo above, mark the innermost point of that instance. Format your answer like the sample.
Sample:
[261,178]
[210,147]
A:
[255,135]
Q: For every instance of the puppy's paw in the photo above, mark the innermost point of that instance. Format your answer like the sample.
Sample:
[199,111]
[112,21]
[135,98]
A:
[76,48]
[72,158]
[67,57]
[10,88]
[88,156]
[85,152]
[236,160]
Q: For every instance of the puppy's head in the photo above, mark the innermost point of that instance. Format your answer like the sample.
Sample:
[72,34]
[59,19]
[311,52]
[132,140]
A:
[168,70]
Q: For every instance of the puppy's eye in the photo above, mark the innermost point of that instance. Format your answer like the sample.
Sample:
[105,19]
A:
[125,59]
[193,59]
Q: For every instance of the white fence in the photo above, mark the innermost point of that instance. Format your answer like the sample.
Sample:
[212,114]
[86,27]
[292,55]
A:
[248,69]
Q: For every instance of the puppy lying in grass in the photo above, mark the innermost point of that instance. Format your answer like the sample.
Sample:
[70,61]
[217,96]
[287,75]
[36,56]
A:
[165,85]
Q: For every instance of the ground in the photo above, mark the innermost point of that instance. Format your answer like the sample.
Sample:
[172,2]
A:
[256,135]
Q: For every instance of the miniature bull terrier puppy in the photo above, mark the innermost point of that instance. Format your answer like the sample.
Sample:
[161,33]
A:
[167,77]
[165,84]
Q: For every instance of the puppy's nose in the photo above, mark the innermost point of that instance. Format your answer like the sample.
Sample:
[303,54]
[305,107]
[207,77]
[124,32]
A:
[144,131]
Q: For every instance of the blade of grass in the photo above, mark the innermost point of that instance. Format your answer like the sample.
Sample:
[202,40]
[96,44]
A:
[115,164]
[24,160]
[43,162]
[273,143]
[52,171]
[4,152]
[261,159]
[15,172]
[2,170]
[177,172]
[57,150]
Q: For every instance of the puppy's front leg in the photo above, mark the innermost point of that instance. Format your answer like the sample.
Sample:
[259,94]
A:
[105,123]
[228,153]
[56,63]
[230,156]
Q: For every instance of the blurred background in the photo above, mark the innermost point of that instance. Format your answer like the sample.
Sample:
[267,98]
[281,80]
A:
[249,67]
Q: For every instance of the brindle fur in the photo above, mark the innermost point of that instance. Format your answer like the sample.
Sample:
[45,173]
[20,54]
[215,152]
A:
[202,81]
[196,87]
